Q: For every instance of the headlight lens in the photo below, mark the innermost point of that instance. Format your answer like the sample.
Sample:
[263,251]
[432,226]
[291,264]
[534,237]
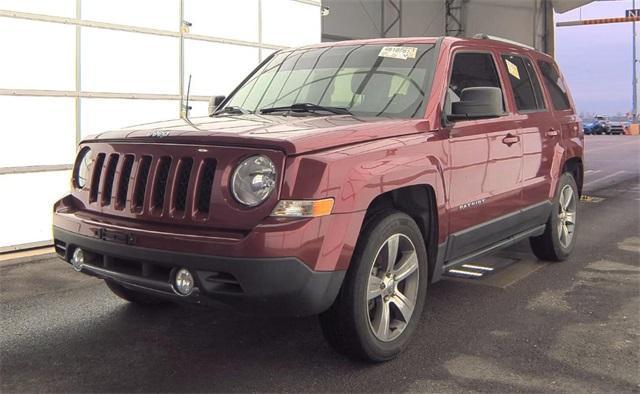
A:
[253,180]
[83,167]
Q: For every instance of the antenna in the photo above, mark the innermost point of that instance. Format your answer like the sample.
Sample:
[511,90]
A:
[187,108]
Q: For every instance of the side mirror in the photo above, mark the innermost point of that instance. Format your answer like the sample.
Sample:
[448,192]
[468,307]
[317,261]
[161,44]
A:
[214,103]
[476,103]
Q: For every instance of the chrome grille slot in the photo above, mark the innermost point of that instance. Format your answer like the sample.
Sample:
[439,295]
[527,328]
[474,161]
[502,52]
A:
[205,185]
[95,177]
[141,183]
[182,183]
[107,189]
[123,186]
[160,185]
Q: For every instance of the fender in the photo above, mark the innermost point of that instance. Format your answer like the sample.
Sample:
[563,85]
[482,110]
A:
[354,176]
[573,147]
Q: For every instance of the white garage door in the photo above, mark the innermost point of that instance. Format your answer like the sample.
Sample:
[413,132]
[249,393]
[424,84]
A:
[72,67]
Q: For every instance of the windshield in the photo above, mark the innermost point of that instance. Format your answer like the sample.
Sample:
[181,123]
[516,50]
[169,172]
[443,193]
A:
[366,80]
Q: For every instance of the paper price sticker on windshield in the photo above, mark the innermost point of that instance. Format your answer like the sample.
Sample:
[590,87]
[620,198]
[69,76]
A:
[513,69]
[402,53]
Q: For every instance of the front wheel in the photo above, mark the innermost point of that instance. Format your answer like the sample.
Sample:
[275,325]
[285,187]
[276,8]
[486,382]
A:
[382,297]
[559,238]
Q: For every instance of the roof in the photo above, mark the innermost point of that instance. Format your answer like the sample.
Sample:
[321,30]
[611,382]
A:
[494,42]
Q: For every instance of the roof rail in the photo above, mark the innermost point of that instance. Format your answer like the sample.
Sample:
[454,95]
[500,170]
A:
[483,36]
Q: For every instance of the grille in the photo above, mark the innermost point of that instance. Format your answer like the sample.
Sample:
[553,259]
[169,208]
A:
[161,182]
[95,177]
[125,177]
[108,182]
[206,185]
[141,183]
[182,183]
[157,185]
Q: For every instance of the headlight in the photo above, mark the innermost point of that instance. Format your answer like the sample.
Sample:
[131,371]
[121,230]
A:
[83,167]
[253,180]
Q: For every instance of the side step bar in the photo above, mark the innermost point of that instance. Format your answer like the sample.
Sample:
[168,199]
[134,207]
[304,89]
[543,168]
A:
[462,268]
[470,271]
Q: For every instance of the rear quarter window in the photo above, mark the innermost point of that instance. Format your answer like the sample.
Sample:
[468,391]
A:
[555,85]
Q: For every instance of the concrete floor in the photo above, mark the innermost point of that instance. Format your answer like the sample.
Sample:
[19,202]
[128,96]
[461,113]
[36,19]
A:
[534,326]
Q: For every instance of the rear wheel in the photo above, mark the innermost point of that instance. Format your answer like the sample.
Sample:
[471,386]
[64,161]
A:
[133,296]
[381,300]
[559,238]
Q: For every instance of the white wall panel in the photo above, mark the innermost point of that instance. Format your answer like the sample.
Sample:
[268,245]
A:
[107,114]
[266,53]
[516,19]
[114,61]
[66,8]
[158,14]
[198,108]
[290,23]
[41,56]
[26,214]
[36,55]
[237,19]
[216,69]
[36,131]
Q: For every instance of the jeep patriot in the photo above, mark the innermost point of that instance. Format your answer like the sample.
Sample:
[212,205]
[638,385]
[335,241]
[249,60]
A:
[339,180]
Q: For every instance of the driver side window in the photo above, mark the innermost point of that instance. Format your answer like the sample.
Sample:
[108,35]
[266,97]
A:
[470,70]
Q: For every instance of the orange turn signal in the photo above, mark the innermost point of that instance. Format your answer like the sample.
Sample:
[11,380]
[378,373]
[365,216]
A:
[303,208]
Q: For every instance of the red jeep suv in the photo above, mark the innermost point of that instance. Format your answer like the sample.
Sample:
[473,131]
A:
[338,179]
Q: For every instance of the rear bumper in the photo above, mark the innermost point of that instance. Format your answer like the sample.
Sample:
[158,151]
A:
[283,285]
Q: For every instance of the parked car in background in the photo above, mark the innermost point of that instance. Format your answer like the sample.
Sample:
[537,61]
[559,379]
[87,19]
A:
[599,125]
[617,128]
[338,180]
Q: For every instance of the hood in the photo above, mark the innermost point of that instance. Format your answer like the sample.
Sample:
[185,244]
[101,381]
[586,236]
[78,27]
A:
[291,134]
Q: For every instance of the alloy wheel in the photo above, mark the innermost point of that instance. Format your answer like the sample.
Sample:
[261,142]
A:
[566,216]
[392,289]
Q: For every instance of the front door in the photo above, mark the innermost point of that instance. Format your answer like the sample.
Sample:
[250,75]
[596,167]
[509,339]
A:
[485,163]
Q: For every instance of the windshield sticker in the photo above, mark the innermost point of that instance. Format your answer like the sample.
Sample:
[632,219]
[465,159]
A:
[513,69]
[402,53]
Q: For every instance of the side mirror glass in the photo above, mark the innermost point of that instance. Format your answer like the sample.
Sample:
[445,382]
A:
[477,103]
[214,103]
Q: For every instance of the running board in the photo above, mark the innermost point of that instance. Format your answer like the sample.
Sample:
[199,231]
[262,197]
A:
[462,268]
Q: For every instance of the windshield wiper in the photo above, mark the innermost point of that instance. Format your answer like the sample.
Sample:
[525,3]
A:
[306,107]
[232,110]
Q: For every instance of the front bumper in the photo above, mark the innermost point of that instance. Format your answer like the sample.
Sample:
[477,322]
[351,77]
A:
[281,285]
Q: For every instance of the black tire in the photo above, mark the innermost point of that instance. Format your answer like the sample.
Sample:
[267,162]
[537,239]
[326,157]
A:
[347,325]
[133,296]
[548,246]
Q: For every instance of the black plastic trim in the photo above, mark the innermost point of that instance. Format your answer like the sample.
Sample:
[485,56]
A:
[491,236]
[478,237]
[280,286]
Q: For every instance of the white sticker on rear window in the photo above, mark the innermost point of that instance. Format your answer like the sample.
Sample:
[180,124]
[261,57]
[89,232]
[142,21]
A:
[403,53]
[513,69]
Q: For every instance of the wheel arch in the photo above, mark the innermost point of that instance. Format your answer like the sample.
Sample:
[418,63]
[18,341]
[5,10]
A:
[575,167]
[419,202]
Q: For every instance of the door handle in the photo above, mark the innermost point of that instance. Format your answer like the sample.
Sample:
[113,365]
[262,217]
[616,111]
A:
[510,139]
[552,132]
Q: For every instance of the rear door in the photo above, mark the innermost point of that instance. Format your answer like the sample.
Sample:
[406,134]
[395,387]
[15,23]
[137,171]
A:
[485,162]
[539,130]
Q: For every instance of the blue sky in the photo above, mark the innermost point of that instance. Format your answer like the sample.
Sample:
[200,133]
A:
[596,59]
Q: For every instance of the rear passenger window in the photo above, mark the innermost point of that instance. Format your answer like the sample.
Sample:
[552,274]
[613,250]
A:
[471,70]
[524,83]
[555,85]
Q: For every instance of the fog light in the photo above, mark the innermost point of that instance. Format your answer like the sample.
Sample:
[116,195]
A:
[77,260]
[184,282]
